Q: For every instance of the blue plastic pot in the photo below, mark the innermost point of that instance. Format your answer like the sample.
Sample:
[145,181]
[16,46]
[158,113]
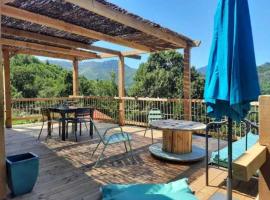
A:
[22,173]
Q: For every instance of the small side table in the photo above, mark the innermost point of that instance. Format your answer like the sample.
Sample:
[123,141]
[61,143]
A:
[177,140]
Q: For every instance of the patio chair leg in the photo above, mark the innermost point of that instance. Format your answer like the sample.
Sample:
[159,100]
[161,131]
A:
[101,155]
[95,149]
[152,135]
[80,129]
[85,125]
[126,147]
[145,131]
[131,150]
[40,131]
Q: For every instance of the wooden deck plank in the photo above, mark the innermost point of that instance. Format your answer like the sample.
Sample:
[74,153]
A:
[66,169]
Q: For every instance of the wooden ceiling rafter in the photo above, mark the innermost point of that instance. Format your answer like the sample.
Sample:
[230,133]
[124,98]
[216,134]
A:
[67,27]
[14,51]
[55,40]
[130,21]
[53,49]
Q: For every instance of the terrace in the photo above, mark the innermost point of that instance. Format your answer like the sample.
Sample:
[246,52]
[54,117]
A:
[66,170]
[67,30]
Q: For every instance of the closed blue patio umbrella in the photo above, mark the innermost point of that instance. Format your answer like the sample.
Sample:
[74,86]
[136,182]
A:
[231,78]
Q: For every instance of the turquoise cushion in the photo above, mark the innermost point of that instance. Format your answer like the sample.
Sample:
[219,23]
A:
[173,190]
[238,147]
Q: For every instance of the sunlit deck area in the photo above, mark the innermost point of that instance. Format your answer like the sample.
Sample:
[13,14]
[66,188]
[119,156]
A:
[66,169]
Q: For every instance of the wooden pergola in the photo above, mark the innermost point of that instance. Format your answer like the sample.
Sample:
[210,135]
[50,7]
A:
[67,29]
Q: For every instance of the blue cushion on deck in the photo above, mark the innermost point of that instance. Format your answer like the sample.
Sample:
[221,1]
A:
[238,147]
[174,190]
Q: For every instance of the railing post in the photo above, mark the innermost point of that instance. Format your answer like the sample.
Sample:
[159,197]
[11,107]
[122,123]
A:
[264,129]
[121,89]
[6,60]
[187,84]
[3,189]
[75,77]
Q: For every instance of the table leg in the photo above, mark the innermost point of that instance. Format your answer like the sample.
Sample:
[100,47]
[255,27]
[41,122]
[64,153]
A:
[49,129]
[91,123]
[63,126]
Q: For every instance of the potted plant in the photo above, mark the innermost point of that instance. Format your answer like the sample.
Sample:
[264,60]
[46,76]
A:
[22,172]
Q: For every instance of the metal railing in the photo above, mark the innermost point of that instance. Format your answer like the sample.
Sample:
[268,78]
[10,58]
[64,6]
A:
[136,109]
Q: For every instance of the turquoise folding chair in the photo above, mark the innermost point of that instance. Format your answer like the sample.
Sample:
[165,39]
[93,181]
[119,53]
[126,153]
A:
[113,138]
[153,115]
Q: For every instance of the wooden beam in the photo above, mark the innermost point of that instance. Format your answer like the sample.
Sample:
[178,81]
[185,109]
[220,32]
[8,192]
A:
[264,129]
[6,1]
[75,84]
[187,84]
[247,165]
[129,54]
[64,26]
[56,40]
[39,53]
[127,20]
[29,45]
[6,57]
[121,89]
[3,186]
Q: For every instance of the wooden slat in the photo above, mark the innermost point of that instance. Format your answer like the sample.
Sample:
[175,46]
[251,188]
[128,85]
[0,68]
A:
[115,15]
[55,40]
[2,130]
[29,45]
[64,26]
[130,54]
[40,53]
[248,164]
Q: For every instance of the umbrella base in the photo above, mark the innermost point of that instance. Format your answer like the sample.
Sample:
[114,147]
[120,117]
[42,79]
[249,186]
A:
[197,154]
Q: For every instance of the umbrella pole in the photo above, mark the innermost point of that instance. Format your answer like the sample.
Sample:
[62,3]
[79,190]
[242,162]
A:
[229,178]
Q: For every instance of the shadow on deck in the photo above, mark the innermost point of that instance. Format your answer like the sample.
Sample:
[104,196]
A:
[66,169]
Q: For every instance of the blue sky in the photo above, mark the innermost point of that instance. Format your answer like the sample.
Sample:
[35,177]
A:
[194,18]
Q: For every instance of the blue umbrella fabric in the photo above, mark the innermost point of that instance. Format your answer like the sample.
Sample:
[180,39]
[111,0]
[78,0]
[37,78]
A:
[231,78]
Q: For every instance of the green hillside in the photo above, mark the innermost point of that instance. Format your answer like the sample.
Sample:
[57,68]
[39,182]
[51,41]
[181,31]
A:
[264,76]
[98,70]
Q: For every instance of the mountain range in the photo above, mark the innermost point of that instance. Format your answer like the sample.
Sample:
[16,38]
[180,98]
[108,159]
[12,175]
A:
[263,73]
[98,70]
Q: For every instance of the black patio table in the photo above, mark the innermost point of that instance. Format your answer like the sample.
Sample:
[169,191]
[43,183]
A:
[63,111]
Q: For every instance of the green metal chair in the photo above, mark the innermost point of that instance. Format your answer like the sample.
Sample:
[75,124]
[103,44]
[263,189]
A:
[113,138]
[153,115]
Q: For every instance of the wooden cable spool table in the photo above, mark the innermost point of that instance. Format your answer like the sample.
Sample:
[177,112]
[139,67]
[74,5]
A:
[177,140]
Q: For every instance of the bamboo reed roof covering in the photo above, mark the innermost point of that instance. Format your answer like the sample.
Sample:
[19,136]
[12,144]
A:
[72,13]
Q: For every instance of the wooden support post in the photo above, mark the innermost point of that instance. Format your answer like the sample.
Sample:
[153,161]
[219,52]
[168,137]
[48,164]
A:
[121,89]
[75,77]
[187,84]
[6,58]
[264,130]
[3,189]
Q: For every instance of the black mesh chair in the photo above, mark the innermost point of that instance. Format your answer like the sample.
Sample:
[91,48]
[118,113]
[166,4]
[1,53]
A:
[82,116]
[47,118]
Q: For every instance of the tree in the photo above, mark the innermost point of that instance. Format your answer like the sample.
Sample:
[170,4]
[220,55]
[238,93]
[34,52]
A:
[161,76]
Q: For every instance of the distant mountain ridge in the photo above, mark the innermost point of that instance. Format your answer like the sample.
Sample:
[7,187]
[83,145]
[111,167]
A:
[263,73]
[98,70]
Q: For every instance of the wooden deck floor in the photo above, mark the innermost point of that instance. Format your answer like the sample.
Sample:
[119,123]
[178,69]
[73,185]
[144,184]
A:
[66,170]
